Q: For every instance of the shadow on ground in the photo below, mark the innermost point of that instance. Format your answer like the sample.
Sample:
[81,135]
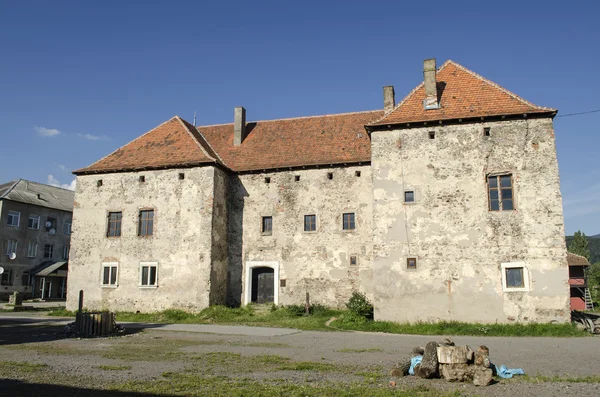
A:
[16,388]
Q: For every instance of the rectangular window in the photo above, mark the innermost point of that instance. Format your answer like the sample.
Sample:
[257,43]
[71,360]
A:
[114,224]
[267,225]
[7,277]
[109,273]
[14,218]
[409,196]
[411,263]
[348,221]
[11,247]
[66,250]
[148,273]
[310,223]
[146,223]
[500,192]
[25,279]
[49,251]
[514,277]
[67,227]
[353,260]
[34,222]
[32,249]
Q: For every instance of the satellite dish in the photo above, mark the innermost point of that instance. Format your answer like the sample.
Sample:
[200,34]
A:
[1,270]
[12,256]
[48,224]
[51,231]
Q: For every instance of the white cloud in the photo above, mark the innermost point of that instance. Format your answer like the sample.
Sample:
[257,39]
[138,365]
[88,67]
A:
[52,181]
[62,167]
[91,137]
[43,131]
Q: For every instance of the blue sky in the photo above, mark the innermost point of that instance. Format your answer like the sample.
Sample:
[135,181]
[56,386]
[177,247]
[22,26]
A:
[79,79]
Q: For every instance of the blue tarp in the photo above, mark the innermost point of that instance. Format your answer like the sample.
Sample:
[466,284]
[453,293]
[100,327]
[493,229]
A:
[413,363]
[507,373]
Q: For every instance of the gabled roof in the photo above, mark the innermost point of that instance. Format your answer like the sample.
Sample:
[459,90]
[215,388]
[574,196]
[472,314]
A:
[302,141]
[171,144]
[462,94]
[576,260]
[38,194]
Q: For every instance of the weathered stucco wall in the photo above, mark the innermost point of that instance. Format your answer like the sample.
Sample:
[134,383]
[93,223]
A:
[459,244]
[218,293]
[314,262]
[181,242]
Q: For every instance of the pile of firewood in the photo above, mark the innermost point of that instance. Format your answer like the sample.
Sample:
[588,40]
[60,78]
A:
[453,363]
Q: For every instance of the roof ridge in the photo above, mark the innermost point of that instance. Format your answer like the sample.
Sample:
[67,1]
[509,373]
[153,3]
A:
[495,85]
[295,118]
[11,188]
[45,184]
[184,124]
[120,147]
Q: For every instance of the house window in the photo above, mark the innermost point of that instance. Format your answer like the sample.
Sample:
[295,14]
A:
[34,222]
[49,251]
[148,274]
[282,282]
[67,227]
[7,277]
[114,224]
[310,223]
[330,175]
[66,250]
[348,221]
[267,225]
[142,178]
[411,263]
[109,273]
[25,279]
[267,179]
[99,182]
[357,173]
[32,249]
[146,223]
[181,176]
[409,196]
[14,218]
[515,277]
[431,134]
[11,247]
[500,192]
[297,178]
[353,260]
[486,131]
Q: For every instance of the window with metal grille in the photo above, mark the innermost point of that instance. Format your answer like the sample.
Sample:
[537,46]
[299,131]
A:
[109,273]
[348,221]
[310,223]
[500,192]
[267,225]
[148,274]
[114,224]
[146,223]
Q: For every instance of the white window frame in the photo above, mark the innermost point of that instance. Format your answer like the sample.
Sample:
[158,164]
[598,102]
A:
[148,264]
[11,246]
[12,215]
[68,228]
[51,252]
[526,280]
[35,218]
[31,244]
[66,251]
[109,265]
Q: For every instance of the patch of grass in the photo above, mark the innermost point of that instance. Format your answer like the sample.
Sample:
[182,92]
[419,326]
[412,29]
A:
[372,376]
[20,367]
[61,312]
[567,379]
[114,367]
[347,350]
[309,366]
[350,321]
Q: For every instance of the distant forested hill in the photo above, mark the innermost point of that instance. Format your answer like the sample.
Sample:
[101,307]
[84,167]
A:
[593,245]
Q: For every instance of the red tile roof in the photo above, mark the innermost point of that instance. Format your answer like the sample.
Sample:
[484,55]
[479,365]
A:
[173,143]
[303,141]
[462,94]
[576,260]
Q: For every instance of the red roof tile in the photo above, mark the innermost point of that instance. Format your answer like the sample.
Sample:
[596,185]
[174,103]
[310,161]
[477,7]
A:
[173,143]
[576,260]
[463,94]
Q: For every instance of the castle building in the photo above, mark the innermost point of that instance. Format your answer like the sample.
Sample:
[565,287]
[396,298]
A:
[445,206]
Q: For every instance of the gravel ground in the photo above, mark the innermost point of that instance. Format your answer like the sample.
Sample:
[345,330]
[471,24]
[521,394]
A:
[145,355]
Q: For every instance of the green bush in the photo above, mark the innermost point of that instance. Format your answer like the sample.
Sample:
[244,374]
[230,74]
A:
[360,305]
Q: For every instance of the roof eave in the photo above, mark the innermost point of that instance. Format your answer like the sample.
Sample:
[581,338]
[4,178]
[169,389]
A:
[84,171]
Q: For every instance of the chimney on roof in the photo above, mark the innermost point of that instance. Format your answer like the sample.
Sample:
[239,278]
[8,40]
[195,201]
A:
[389,99]
[431,95]
[239,125]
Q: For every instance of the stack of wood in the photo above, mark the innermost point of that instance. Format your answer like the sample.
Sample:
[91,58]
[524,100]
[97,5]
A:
[453,363]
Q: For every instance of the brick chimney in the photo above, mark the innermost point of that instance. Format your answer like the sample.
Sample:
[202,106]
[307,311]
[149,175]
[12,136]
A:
[389,99]
[431,96]
[239,125]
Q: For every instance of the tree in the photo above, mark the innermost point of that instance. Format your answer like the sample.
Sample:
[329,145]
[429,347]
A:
[579,245]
